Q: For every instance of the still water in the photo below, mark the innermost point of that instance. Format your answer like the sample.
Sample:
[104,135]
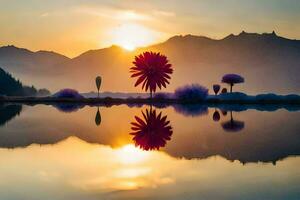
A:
[66,152]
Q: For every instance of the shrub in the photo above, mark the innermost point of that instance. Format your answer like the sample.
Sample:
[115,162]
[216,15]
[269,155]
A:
[162,95]
[191,92]
[224,91]
[68,93]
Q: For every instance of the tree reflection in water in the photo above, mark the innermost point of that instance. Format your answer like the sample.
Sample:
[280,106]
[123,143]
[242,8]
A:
[233,125]
[152,132]
[8,112]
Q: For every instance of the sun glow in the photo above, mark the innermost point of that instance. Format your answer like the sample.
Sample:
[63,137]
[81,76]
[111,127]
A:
[130,154]
[131,36]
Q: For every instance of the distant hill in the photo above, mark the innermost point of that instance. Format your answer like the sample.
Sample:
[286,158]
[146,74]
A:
[9,86]
[268,62]
[31,67]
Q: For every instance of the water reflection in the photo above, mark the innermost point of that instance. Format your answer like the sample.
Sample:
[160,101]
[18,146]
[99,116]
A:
[264,139]
[152,132]
[224,112]
[68,107]
[191,110]
[216,116]
[233,125]
[73,170]
[98,117]
[9,112]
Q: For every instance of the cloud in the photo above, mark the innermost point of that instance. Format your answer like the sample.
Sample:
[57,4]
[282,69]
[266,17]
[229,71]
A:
[164,13]
[113,13]
[46,14]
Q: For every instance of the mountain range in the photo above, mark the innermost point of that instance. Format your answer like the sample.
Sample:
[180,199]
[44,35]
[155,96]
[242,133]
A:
[10,86]
[268,62]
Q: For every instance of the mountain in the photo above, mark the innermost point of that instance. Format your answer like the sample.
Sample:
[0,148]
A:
[31,67]
[268,62]
[9,86]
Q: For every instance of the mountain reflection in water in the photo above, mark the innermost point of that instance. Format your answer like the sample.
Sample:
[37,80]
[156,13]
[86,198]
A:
[264,139]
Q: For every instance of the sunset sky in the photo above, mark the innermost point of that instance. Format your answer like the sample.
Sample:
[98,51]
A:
[72,27]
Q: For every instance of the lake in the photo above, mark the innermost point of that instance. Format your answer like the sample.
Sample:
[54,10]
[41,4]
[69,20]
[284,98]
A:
[70,152]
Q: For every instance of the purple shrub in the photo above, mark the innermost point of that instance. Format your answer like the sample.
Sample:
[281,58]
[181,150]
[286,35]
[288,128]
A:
[232,79]
[192,92]
[216,88]
[162,95]
[68,93]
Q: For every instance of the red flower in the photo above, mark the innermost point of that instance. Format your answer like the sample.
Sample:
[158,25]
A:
[152,69]
[152,132]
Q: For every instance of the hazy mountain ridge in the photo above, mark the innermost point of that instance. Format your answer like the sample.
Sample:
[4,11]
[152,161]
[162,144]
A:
[268,62]
[31,67]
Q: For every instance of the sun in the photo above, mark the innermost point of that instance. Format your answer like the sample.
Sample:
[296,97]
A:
[128,46]
[131,36]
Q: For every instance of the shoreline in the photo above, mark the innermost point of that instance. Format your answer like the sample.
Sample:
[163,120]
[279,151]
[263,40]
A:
[117,101]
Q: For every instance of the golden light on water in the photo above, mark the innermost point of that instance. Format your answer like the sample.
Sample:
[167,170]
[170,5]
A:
[130,36]
[129,154]
[73,167]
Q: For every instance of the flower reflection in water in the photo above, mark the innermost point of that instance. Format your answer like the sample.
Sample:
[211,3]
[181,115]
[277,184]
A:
[151,132]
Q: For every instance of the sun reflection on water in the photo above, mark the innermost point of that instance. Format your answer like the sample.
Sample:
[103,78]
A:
[129,154]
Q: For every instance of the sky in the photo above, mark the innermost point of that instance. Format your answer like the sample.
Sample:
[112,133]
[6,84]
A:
[72,27]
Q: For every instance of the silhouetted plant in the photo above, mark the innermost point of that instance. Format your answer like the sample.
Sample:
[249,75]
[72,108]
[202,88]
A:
[232,79]
[216,88]
[152,132]
[192,92]
[68,93]
[224,91]
[216,116]
[152,69]
[98,83]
